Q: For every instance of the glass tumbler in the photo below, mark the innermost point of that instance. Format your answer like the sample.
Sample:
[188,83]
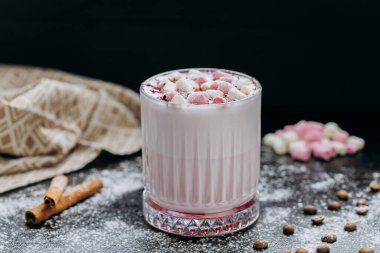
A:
[201,163]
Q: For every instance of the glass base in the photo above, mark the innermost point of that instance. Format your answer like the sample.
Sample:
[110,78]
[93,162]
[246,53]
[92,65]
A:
[201,225]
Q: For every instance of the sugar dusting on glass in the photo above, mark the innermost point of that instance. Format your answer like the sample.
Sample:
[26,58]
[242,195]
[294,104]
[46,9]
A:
[112,221]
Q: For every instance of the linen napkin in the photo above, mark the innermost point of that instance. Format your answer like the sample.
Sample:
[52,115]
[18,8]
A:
[53,122]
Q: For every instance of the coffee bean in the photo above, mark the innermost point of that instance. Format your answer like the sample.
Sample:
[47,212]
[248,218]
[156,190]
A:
[260,244]
[366,250]
[361,202]
[288,229]
[334,205]
[342,194]
[318,219]
[328,238]
[375,186]
[301,250]
[309,209]
[323,249]
[350,227]
[361,210]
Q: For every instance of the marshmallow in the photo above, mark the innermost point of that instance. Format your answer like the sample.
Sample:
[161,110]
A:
[312,135]
[324,151]
[268,139]
[201,79]
[214,86]
[218,74]
[169,86]
[279,146]
[178,99]
[317,126]
[219,100]
[207,85]
[340,136]
[215,93]
[198,76]
[351,148]
[289,128]
[243,82]
[168,96]
[247,89]
[194,73]
[277,143]
[300,151]
[224,86]
[289,136]
[357,141]
[229,79]
[300,127]
[174,76]
[339,147]
[185,85]
[235,94]
[330,129]
[198,98]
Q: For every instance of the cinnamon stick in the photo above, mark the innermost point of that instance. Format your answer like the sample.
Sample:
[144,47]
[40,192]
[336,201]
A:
[43,212]
[54,193]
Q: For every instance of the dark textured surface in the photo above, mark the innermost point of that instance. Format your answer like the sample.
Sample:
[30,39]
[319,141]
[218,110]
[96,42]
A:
[112,221]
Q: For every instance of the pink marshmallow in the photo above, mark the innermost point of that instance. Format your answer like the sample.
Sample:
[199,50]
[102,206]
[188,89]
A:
[168,96]
[289,128]
[214,86]
[228,79]
[280,132]
[302,153]
[219,100]
[218,74]
[224,86]
[201,79]
[317,126]
[300,127]
[312,135]
[198,76]
[198,98]
[351,148]
[341,136]
[324,151]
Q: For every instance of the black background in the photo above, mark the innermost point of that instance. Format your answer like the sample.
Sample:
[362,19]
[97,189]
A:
[315,59]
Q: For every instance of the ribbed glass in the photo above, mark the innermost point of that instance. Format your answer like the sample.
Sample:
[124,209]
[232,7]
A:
[201,159]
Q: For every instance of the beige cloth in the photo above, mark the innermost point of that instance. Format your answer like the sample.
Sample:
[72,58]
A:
[52,122]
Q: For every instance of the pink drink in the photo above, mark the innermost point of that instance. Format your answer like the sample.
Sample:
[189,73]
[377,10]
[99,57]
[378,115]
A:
[201,163]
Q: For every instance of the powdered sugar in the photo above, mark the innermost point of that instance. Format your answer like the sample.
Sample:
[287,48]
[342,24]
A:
[112,220]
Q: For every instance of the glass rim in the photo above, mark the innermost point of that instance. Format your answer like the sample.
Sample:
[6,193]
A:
[248,98]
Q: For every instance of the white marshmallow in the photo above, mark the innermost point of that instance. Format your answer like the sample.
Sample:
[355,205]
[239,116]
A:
[185,85]
[206,85]
[339,147]
[276,142]
[243,82]
[357,141]
[247,89]
[279,146]
[235,94]
[268,139]
[290,136]
[297,145]
[330,129]
[169,86]
[215,93]
[178,100]
[174,76]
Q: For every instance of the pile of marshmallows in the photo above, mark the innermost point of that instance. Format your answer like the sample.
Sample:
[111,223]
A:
[201,87]
[309,137]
